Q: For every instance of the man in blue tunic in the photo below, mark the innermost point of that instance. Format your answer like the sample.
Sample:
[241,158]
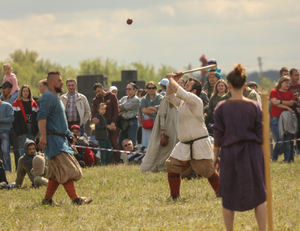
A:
[63,168]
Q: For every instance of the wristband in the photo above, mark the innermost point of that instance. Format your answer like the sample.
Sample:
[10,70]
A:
[280,101]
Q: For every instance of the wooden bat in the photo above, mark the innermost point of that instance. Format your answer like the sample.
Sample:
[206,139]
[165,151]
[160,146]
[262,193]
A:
[266,149]
[200,68]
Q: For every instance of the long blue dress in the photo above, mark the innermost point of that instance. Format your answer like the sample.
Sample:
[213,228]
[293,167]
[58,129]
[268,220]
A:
[238,131]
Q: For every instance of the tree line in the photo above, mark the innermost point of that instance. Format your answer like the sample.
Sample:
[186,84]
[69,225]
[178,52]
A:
[30,69]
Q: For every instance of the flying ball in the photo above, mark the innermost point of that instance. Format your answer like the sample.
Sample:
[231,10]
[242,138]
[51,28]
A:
[129,21]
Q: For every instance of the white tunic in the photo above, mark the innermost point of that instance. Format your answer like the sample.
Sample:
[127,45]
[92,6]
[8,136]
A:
[190,126]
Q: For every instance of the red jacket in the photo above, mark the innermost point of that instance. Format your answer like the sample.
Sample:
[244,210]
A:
[20,122]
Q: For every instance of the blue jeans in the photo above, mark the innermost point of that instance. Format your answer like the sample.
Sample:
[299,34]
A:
[105,155]
[4,152]
[130,133]
[16,146]
[287,147]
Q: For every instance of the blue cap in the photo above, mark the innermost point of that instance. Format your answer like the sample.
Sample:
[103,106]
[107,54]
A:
[212,61]
[164,82]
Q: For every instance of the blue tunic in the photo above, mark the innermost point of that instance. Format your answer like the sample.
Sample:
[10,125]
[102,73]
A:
[53,110]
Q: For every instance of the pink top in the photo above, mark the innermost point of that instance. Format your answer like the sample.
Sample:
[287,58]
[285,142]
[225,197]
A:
[12,78]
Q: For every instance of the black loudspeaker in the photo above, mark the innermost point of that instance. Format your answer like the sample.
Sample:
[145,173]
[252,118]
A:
[85,85]
[129,76]
[122,87]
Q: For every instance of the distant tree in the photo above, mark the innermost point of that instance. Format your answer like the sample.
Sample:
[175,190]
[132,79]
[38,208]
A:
[30,70]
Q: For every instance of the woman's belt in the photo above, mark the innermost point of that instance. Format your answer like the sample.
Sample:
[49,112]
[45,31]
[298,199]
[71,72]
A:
[191,144]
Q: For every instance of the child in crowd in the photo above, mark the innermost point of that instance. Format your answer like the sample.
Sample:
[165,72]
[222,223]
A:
[12,78]
[102,134]
[82,154]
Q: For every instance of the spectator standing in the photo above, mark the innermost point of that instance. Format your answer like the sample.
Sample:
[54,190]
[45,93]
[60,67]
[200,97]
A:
[25,110]
[284,71]
[6,119]
[114,90]
[102,134]
[163,86]
[129,106]
[12,78]
[282,100]
[212,77]
[112,112]
[43,86]
[295,88]
[14,141]
[220,89]
[77,106]
[149,107]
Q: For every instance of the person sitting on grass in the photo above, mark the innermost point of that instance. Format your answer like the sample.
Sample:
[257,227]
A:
[39,171]
[25,163]
[131,158]
[85,156]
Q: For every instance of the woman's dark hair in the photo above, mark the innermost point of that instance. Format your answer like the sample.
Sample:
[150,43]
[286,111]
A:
[237,77]
[133,85]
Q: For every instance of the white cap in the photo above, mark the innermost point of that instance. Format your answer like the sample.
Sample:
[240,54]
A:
[113,88]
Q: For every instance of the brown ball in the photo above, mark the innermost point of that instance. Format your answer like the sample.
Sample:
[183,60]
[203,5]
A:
[129,21]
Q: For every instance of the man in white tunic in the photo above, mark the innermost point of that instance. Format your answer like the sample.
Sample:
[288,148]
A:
[194,148]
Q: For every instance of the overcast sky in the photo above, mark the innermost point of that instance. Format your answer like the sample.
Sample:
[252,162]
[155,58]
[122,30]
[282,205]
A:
[173,32]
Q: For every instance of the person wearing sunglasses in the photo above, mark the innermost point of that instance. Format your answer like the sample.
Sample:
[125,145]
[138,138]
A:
[129,106]
[149,107]
[131,158]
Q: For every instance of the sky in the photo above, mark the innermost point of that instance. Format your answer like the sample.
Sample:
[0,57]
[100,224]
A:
[169,32]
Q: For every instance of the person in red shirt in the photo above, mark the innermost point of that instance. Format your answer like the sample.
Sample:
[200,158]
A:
[282,100]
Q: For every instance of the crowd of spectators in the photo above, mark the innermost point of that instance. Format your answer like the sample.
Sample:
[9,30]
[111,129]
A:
[136,122]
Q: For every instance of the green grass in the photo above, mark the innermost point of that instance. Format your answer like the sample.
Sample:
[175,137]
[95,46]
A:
[125,199]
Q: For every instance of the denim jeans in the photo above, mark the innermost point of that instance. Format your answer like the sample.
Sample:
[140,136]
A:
[23,138]
[130,133]
[4,154]
[105,155]
[286,147]
[16,146]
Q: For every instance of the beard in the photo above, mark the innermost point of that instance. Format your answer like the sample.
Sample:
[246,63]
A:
[59,90]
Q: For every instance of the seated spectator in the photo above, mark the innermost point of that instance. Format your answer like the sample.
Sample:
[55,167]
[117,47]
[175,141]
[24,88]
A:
[39,171]
[131,158]
[25,163]
[85,156]
[3,180]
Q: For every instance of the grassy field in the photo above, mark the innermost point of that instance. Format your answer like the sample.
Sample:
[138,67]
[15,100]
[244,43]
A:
[125,199]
